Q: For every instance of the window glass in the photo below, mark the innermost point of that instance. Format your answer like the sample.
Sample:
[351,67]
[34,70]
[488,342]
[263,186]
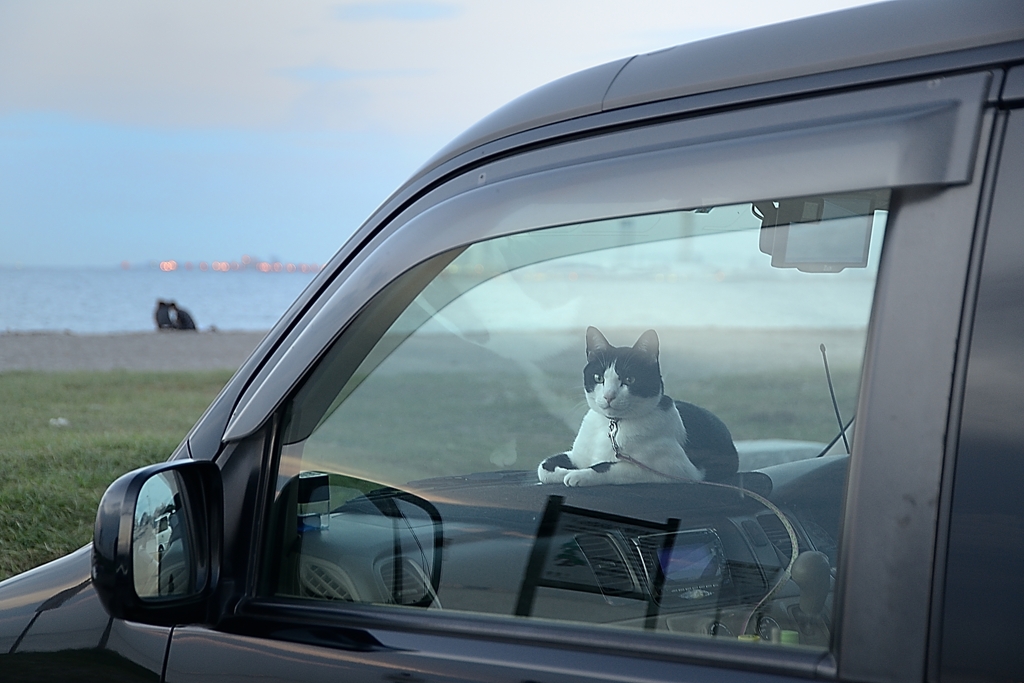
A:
[632,422]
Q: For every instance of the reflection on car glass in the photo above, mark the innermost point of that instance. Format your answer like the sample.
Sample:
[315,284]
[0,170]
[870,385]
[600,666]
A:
[458,382]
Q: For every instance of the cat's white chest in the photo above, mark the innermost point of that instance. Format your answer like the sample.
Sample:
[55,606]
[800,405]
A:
[592,444]
[655,440]
[633,432]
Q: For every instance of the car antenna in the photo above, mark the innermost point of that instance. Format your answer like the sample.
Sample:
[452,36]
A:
[835,404]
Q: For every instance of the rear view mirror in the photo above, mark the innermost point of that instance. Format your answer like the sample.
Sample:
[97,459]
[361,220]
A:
[156,544]
[823,234]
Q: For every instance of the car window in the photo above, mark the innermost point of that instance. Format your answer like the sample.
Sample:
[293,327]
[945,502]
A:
[632,422]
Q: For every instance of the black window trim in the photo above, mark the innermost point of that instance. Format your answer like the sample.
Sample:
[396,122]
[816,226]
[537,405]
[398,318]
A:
[581,638]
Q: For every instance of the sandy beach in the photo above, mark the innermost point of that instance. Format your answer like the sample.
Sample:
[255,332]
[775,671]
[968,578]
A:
[685,352]
[52,352]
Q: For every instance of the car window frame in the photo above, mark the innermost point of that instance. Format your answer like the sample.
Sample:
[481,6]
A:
[946,257]
[895,479]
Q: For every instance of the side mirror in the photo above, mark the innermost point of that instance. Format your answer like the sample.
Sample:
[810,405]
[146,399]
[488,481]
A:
[157,543]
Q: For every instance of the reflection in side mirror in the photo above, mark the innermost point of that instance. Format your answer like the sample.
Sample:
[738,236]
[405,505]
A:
[162,542]
[156,544]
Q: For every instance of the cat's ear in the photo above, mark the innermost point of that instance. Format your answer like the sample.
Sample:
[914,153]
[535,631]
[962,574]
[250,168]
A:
[596,342]
[648,344]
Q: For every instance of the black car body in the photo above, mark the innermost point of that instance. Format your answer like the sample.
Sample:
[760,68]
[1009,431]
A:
[820,218]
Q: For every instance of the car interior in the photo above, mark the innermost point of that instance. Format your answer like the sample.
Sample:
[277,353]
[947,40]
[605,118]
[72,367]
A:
[393,493]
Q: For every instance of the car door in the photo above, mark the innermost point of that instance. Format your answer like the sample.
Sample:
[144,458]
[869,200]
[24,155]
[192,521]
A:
[980,590]
[384,515]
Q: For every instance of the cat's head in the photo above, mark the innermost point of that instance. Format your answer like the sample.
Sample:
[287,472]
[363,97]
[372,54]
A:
[622,381]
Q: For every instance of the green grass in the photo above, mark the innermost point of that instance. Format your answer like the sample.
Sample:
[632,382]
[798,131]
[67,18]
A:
[793,404]
[483,422]
[52,477]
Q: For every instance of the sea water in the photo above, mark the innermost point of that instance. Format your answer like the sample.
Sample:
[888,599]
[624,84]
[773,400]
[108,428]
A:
[110,300]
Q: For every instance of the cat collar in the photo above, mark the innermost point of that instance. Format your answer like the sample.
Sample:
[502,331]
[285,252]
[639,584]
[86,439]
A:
[613,431]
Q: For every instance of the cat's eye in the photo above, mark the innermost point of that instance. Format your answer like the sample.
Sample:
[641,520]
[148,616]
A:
[598,378]
[626,381]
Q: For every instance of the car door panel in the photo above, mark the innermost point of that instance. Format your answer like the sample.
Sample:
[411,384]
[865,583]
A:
[315,654]
[892,510]
[982,594]
[70,631]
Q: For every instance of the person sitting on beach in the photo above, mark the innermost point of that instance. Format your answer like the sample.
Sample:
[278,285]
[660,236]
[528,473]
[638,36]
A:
[182,319]
[163,315]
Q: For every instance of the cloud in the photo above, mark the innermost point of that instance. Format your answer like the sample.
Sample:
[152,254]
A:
[396,11]
[401,66]
[318,74]
[321,75]
[134,130]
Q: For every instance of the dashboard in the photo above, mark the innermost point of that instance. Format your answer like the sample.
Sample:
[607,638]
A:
[691,558]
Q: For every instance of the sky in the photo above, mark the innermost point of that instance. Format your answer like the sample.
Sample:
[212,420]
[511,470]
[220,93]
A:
[200,130]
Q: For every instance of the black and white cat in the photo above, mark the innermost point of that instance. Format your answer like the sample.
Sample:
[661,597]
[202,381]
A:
[633,431]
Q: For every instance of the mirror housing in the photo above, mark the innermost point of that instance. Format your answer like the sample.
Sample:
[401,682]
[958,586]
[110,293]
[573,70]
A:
[157,543]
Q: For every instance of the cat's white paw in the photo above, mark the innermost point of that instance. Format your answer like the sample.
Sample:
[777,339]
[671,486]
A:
[555,477]
[579,477]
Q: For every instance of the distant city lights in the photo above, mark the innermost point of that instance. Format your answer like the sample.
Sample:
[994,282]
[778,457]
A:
[245,263]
